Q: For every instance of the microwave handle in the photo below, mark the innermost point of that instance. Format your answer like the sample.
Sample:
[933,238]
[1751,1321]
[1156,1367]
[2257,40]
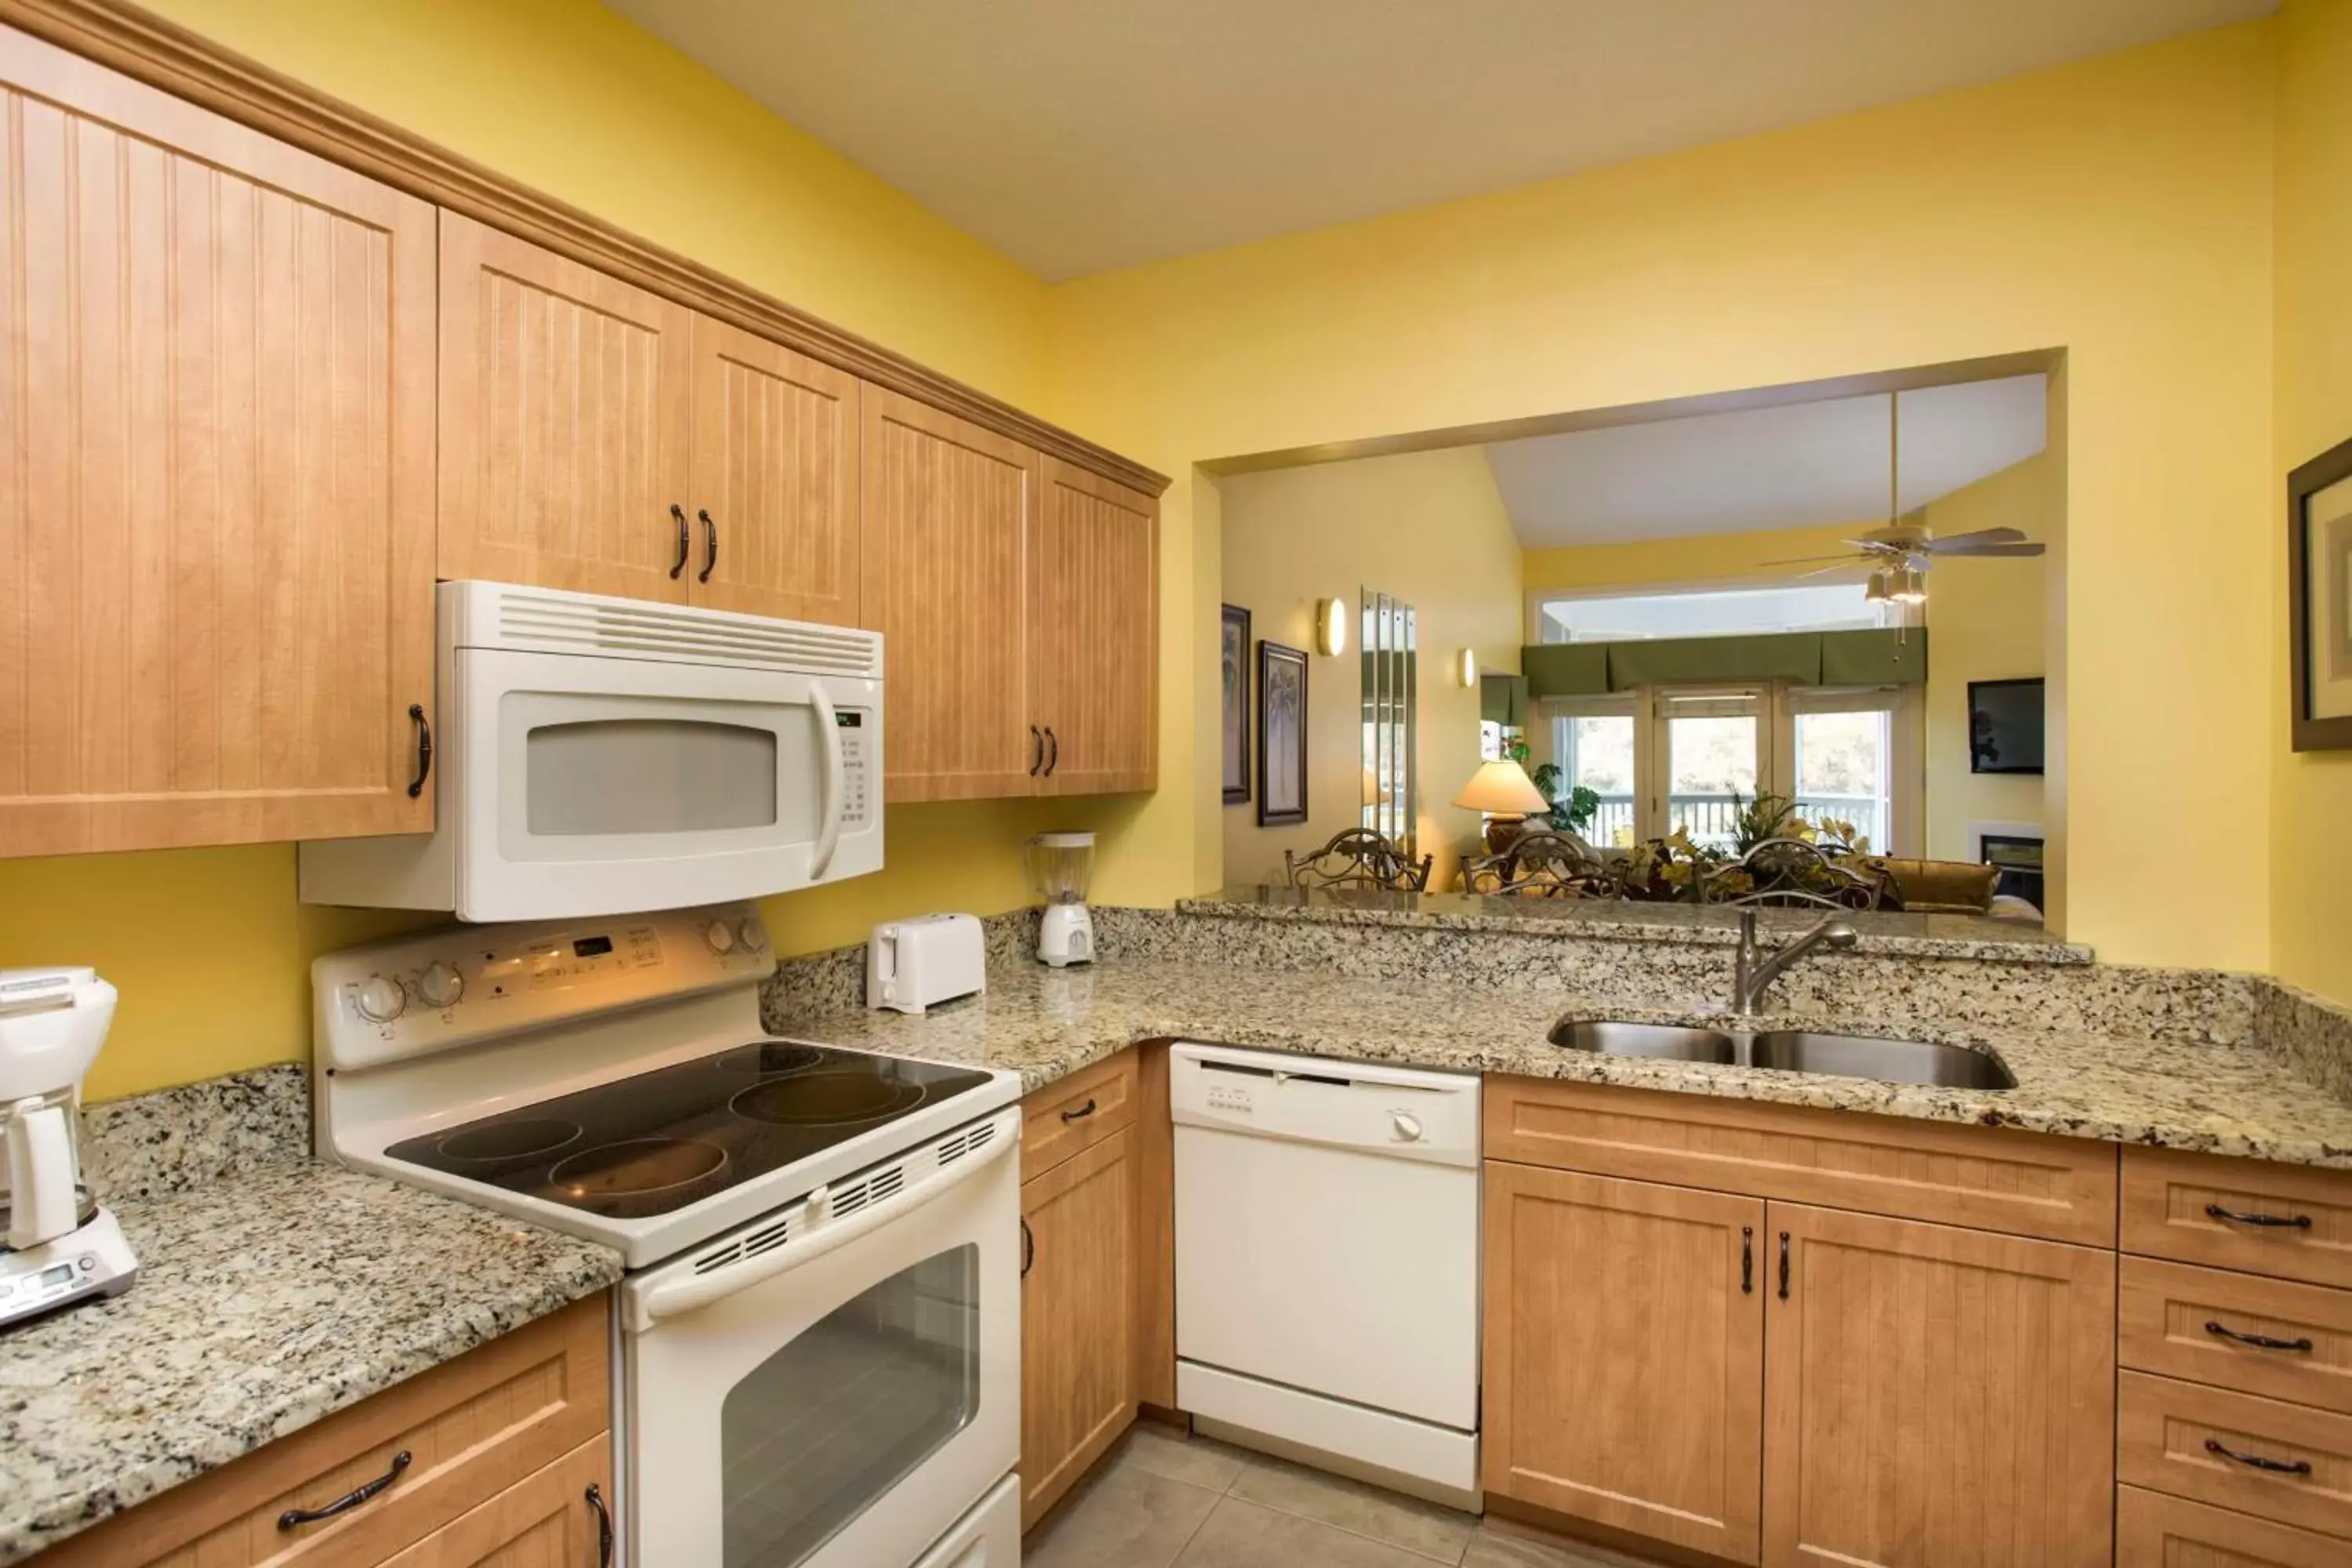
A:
[828,837]
[691,1292]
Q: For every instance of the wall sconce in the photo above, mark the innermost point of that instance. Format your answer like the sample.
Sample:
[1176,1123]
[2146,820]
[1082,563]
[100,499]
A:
[1331,626]
[1466,668]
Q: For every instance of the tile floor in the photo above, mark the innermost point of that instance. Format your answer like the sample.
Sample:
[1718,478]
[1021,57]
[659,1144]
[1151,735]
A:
[1163,1501]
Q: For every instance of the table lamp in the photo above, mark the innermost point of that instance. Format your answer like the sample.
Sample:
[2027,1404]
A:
[1502,789]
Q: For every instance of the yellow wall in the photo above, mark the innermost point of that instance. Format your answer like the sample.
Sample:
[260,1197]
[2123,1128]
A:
[1987,622]
[210,948]
[1428,528]
[2311,800]
[2119,209]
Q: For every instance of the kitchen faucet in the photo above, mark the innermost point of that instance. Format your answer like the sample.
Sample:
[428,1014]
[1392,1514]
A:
[1753,969]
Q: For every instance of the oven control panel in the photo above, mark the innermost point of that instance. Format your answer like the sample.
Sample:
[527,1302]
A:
[416,995]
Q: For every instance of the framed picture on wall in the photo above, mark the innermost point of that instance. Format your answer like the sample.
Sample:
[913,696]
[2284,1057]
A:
[1234,676]
[1281,735]
[2319,601]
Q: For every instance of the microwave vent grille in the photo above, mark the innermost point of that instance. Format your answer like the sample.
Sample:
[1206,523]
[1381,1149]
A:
[568,624]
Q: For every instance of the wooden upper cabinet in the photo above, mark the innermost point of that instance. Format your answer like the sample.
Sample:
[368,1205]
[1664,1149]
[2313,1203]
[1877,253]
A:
[1625,1379]
[775,471]
[1936,1395]
[946,513]
[218,504]
[1094,633]
[567,409]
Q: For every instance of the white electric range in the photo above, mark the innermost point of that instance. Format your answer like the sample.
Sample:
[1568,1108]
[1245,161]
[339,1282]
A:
[818,1362]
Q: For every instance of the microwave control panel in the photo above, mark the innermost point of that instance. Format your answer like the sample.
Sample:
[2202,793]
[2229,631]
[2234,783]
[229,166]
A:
[856,726]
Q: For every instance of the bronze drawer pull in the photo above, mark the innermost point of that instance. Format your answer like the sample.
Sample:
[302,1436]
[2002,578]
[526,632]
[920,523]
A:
[2260,1342]
[1082,1112]
[710,545]
[1747,1260]
[2255,1461]
[2292,1222]
[603,1526]
[424,748]
[678,567]
[1784,1266]
[1028,1249]
[349,1500]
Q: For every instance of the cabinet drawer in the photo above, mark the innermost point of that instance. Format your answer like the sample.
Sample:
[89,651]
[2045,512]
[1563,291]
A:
[545,1518]
[2179,1205]
[2153,1531]
[2202,1324]
[1077,1113]
[2164,1429]
[2025,1183]
[471,1428]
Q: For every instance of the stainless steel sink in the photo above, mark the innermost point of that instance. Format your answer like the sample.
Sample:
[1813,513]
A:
[1890,1061]
[1791,1050]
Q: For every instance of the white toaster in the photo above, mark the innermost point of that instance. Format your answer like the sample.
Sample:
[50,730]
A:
[917,964]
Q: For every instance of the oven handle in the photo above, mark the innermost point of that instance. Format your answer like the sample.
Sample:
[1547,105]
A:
[675,1297]
[828,837]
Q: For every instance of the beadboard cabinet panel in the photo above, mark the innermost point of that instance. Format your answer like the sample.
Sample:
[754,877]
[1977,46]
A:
[775,481]
[216,519]
[567,409]
[1094,633]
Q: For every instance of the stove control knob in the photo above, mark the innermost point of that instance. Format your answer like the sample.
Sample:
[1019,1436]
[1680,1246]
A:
[381,1000]
[440,985]
[750,937]
[720,936]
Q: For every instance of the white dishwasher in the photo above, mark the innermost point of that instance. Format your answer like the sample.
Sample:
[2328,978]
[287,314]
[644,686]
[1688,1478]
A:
[1327,1257]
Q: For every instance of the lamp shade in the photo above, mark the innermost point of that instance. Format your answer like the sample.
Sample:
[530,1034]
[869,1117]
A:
[1501,788]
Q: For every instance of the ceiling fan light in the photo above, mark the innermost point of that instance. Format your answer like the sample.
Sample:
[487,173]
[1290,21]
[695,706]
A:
[1879,590]
[1909,586]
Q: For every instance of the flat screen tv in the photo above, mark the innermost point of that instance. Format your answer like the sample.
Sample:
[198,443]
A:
[2005,726]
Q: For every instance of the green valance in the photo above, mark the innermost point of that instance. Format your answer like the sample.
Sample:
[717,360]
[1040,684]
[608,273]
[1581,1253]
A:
[1878,658]
[1502,700]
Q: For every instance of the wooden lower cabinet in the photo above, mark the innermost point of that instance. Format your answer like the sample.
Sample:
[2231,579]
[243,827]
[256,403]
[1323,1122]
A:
[2153,1531]
[548,1521]
[1078,1360]
[1936,1395]
[1624,1359]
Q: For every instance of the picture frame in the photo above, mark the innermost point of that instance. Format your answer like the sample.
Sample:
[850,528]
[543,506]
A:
[1233,665]
[2319,601]
[2007,725]
[1281,735]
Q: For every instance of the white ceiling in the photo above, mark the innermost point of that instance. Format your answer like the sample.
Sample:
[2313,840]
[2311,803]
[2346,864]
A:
[1080,135]
[1798,466]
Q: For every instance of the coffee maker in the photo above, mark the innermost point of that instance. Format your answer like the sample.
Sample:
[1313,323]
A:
[59,1247]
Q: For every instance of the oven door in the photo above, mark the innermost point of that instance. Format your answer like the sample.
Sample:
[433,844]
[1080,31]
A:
[594,786]
[856,1393]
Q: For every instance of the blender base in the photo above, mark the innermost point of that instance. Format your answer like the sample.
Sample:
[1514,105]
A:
[1066,936]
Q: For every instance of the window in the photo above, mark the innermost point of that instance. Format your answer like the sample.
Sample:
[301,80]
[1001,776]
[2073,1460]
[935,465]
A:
[1713,750]
[1592,745]
[1843,760]
[1717,612]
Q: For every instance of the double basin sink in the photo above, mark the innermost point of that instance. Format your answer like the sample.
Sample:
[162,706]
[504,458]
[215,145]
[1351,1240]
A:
[1791,1050]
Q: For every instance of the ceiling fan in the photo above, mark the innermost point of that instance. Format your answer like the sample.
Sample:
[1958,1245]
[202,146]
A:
[1900,552]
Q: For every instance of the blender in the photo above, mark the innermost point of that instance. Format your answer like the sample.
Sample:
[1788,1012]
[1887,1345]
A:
[1059,865]
[59,1246]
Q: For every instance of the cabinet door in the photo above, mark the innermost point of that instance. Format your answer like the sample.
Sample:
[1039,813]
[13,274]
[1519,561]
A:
[2153,1531]
[546,1520]
[1624,1378]
[1077,1306]
[566,414]
[775,471]
[1094,633]
[946,510]
[216,506]
[1937,1397]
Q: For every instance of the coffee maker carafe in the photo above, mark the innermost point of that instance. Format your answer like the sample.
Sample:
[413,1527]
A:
[57,1245]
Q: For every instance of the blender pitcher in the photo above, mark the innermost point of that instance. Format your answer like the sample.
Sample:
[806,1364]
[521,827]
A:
[1059,865]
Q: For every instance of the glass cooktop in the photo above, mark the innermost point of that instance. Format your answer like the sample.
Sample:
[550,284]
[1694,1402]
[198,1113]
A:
[662,1140]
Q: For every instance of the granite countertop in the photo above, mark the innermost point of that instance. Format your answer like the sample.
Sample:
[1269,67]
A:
[1620,919]
[266,1298]
[1045,1023]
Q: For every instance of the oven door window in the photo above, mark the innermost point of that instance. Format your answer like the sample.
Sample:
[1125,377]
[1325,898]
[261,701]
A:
[823,1429]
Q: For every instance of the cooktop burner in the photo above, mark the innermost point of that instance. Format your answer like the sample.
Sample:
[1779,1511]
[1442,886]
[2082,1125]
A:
[662,1140]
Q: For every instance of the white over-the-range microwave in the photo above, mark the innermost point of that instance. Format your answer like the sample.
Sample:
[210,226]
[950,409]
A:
[593,755]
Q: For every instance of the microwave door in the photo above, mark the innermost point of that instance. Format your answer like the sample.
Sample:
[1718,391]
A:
[608,785]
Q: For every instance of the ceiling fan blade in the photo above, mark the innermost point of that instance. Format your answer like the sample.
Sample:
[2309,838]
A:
[1981,536]
[1942,553]
[1801,560]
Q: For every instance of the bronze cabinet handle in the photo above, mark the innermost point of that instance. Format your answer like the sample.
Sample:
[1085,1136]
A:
[685,542]
[2289,1222]
[2259,1341]
[1028,1248]
[349,1500]
[709,547]
[424,748]
[1054,757]
[603,1526]
[1747,1260]
[1036,750]
[2257,1462]
[1082,1112]
[1784,1266]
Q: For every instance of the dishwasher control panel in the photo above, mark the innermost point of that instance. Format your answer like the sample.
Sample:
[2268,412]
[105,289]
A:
[1367,1106]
